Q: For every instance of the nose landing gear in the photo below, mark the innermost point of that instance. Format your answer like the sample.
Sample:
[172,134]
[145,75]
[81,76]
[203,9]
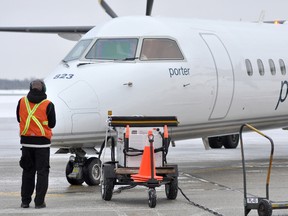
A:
[85,170]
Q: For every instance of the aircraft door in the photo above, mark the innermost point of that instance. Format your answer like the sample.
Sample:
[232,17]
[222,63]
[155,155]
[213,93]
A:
[224,76]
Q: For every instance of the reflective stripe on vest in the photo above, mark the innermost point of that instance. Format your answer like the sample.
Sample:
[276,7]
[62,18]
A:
[31,116]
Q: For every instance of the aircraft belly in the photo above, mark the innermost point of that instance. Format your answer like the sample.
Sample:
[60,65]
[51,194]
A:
[78,140]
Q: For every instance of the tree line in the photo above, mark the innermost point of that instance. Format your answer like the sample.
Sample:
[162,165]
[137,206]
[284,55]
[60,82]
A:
[6,84]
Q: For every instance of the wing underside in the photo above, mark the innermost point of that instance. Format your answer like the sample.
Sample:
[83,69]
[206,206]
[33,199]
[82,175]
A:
[67,32]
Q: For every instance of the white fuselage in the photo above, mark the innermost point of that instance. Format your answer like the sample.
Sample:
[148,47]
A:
[209,91]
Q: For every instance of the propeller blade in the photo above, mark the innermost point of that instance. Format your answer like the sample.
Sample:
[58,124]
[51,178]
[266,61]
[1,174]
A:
[149,7]
[107,9]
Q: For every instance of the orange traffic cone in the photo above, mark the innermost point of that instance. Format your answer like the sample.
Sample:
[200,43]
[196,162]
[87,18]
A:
[145,172]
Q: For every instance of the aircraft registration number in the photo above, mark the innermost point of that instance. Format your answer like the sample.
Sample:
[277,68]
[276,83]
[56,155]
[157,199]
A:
[63,76]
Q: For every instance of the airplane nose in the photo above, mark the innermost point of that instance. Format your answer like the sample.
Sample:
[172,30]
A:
[82,108]
[63,120]
[79,96]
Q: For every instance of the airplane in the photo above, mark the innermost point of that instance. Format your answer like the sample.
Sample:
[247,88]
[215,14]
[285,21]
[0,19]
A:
[213,75]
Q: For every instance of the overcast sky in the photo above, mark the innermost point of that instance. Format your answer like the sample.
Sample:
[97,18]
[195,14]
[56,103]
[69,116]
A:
[35,55]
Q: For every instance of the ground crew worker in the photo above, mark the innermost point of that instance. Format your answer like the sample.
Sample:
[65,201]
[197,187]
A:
[36,117]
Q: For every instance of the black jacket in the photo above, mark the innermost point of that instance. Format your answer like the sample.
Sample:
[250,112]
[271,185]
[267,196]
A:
[35,96]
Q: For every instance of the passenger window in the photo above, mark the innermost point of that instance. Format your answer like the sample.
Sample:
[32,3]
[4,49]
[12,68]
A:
[272,67]
[249,67]
[282,67]
[260,67]
[160,49]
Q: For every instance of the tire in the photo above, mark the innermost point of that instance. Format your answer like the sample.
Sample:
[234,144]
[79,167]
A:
[264,208]
[216,142]
[92,171]
[72,181]
[152,198]
[107,187]
[171,189]
[231,141]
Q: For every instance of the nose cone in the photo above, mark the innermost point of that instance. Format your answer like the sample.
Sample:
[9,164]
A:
[77,110]
[79,96]
[63,119]
[83,104]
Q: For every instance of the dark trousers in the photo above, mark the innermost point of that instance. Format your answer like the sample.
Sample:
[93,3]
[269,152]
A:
[34,160]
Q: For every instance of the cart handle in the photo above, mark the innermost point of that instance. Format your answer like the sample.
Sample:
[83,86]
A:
[127,132]
[143,121]
[243,158]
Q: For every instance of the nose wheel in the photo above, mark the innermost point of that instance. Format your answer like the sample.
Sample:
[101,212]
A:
[83,169]
[91,171]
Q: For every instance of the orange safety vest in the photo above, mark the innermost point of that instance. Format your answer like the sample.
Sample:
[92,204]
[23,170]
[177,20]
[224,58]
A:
[33,119]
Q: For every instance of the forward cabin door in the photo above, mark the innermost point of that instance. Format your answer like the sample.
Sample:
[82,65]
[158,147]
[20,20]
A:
[224,76]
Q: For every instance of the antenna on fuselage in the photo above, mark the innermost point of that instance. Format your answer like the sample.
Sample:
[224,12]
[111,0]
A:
[112,14]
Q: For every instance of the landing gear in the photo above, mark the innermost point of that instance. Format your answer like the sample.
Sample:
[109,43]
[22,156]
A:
[229,141]
[92,171]
[216,142]
[72,174]
[83,169]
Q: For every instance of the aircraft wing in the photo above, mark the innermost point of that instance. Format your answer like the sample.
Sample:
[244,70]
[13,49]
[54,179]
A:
[67,32]
[276,22]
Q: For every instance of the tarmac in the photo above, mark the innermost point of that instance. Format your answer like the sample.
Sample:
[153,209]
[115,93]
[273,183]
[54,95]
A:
[212,181]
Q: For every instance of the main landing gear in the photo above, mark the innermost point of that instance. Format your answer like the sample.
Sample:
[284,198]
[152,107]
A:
[80,169]
[229,141]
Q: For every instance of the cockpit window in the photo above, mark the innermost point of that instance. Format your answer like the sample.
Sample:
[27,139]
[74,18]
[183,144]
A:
[160,49]
[113,49]
[78,50]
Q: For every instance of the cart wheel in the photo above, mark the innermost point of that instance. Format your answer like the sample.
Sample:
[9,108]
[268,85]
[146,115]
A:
[152,197]
[264,208]
[107,187]
[171,189]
